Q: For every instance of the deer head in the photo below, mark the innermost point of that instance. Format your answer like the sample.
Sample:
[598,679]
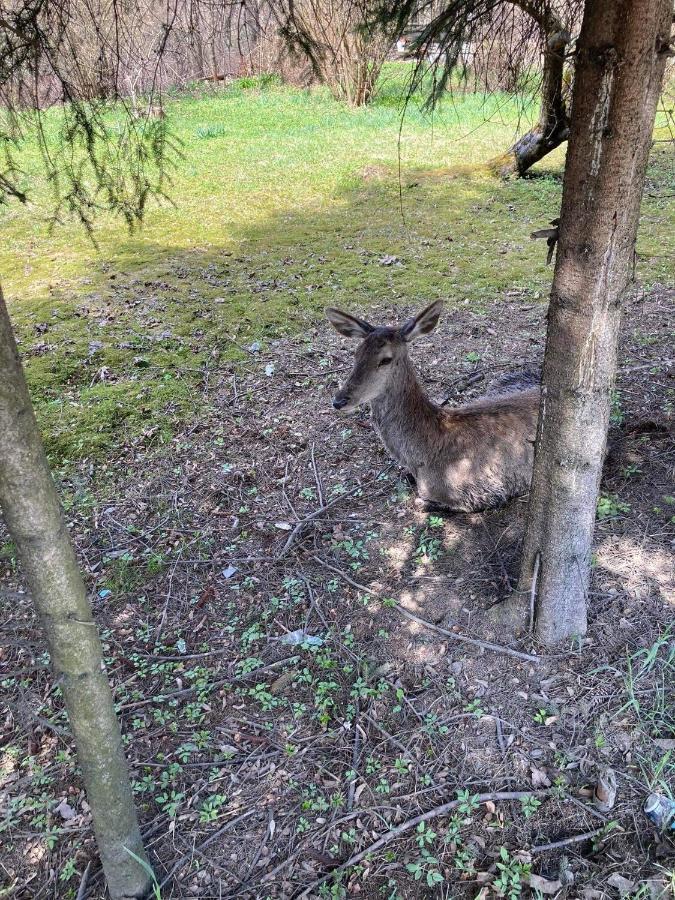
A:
[381,355]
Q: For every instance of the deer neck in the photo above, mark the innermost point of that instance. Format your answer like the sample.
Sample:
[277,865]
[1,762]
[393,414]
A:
[405,417]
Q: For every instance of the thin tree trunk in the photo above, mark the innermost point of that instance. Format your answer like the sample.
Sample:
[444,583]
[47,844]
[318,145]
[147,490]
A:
[621,58]
[552,128]
[32,512]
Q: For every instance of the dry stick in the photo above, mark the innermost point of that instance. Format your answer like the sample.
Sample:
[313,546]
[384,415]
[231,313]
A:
[486,645]
[575,839]
[214,684]
[533,589]
[226,827]
[412,823]
[355,759]
[82,890]
[388,737]
[317,477]
[314,515]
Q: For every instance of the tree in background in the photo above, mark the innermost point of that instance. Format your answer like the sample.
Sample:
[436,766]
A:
[97,154]
[525,41]
[345,44]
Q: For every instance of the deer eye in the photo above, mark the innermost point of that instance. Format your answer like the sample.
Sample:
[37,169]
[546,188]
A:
[384,362]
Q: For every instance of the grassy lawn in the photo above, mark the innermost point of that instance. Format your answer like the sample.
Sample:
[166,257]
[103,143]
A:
[284,202]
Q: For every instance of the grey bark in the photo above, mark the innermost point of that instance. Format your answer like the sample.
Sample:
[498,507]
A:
[622,53]
[32,512]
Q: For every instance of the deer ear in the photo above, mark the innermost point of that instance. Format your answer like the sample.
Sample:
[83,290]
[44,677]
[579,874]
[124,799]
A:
[348,325]
[423,323]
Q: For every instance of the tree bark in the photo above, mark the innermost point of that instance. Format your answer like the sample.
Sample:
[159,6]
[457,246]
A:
[32,512]
[552,128]
[622,53]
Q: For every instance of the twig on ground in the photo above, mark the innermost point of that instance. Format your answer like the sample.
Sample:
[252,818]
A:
[317,477]
[292,537]
[209,840]
[160,698]
[82,890]
[385,734]
[574,839]
[533,589]
[486,645]
[355,759]
[413,823]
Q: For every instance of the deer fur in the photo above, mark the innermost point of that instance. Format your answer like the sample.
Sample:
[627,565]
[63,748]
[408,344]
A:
[466,459]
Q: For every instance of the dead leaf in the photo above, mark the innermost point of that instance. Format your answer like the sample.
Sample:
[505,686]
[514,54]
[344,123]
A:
[207,596]
[65,810]
[539,778]
[623,885]
[544,885]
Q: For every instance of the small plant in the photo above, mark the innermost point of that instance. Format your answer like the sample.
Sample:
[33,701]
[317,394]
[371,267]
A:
[464,860]
[425,867]
[541,716]
[424,836]
[511,874]
[428,547]
[432,726]
[211,808]
[474,707]
[156,889]
[609,507]
[468,803]
[529,805]
[616,415]
[67,870]
[207,132]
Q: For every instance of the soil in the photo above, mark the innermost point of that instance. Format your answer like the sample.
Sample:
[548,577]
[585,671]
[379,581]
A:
[283,761]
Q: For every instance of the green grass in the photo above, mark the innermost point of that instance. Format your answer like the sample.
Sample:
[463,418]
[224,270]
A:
[283,202]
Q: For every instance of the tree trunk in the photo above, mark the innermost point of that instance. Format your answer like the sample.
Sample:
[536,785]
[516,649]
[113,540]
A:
[32,512]
[552,129]
[622,53]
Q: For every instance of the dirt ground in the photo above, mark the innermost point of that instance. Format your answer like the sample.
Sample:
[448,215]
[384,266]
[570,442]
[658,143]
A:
[262,765]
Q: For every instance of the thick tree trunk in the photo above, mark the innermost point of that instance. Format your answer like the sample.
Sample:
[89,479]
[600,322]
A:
[621,58]
[31,509]
[552,129]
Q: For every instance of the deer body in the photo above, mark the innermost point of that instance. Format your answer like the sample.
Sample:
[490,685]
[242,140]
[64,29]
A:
[471,458]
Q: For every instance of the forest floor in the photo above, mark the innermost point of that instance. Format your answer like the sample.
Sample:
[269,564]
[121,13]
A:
[254,560]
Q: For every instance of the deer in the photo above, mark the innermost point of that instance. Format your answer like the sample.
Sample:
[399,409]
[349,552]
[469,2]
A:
[465,459]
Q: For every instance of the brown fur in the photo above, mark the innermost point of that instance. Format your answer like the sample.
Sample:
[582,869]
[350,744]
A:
[465,459]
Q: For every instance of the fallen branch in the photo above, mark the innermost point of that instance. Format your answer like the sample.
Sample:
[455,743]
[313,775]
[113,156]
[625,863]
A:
[186,856]
[82,890]
[413,823]
[160,698]
[292,537]
[574,839]
[485,645]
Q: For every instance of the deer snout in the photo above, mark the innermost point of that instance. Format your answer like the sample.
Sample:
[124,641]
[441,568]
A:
[340,401]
